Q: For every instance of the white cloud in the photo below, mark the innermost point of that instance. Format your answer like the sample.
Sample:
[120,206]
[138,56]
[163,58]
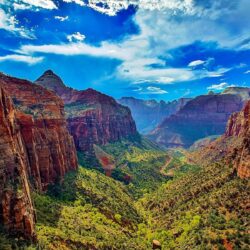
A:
[45,4]
[247,72]
[112,7]
[220,86]
[156,90]
[29,4]
[8,22]
[21,58]
[160,31]
[62,18]
[80,2]
[196,63]
[76,37]
[151,90]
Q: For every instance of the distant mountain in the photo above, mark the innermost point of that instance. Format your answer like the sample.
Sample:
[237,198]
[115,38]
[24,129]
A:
[149,113]
[93,118]
[201,117]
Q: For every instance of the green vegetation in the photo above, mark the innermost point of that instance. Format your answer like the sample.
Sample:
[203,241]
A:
[77,107]
[140,161]
[197,208]
[203,209]
[88,211]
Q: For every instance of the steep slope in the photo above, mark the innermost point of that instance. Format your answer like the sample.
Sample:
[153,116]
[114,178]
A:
[149,113]
[93,118]
[40,114]
[203,116]
[16,207]
[233,146]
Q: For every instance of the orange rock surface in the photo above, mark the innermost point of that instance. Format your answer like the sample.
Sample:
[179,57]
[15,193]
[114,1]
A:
[16,208]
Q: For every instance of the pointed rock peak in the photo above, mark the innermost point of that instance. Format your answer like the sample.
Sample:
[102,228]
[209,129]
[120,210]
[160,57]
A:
[50,81]
[49,72]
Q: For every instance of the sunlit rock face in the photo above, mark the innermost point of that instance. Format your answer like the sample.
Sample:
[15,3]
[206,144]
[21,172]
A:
[49,146]
[203,116]
[239,126]
[16,208]
[93,118]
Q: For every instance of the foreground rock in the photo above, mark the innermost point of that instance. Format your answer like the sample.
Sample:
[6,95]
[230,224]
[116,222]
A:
[201,117]
[16,208]
[40,114]
[93,118]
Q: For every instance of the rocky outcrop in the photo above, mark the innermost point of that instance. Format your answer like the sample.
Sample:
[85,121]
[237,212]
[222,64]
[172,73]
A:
[93,118]
[201,117]
[239,127]
[150,113]
[40,114]
[16,208]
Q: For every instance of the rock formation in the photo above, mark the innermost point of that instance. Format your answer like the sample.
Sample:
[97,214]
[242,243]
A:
[201,117]
[239,126]
[40,115]
[93,118]
[233,146]
[16,208]
[150,113]
[36,150]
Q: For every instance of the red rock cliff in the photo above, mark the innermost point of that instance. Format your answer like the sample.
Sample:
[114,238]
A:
[16,208]
[50,147]
[239,126]
[233,146]
[93,118]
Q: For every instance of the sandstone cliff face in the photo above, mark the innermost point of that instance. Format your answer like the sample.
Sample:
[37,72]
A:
[201,117]
[40,115]
[93,118]
[233,147]
[239,126]
[16,208]
[149,113]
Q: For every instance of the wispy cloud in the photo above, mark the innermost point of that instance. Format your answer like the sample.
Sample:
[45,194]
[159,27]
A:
[62,18]
[220,86]
[151,90]
[44,4]
[9,23]
[196,63]
[21,58]
[80,2]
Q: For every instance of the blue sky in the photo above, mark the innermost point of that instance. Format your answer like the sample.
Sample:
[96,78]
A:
[162,49]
